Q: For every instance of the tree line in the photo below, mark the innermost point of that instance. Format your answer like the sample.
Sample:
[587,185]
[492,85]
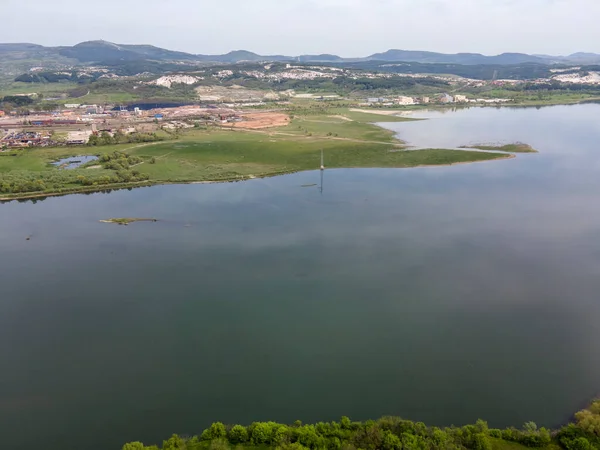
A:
[105,138]
[388,433]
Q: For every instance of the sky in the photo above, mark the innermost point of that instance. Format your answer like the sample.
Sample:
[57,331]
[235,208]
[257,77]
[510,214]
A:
[349,28]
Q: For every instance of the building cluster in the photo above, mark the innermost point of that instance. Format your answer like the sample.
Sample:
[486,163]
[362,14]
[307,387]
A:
[291,74]
[76,108]
[75,125]
[440,99]
[23,139]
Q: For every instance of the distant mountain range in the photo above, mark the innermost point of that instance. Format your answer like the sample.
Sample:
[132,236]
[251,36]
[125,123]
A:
[102,51]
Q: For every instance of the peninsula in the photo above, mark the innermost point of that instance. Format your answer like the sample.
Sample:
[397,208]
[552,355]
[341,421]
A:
[254,144]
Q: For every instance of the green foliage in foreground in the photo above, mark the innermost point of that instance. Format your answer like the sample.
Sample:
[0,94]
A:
[389,433]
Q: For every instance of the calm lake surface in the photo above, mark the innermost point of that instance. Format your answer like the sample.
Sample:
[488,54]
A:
[437,294]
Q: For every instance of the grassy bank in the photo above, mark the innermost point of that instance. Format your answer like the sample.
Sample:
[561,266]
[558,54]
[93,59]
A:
[517,147]
[389,433]
[348,140]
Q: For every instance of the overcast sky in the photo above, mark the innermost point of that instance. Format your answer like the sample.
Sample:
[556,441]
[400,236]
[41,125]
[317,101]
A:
[344,27]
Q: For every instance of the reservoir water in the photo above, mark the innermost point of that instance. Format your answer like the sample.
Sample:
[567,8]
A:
[438,294]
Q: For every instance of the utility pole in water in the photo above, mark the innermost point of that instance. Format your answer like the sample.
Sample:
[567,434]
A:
[321,187]
[322,165]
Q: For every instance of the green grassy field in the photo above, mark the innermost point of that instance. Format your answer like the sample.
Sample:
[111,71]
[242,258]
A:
[47,89]
[222,154]
[93,98]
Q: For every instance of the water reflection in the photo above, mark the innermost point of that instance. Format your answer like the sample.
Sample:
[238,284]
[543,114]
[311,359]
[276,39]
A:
[73,162]
[438,294]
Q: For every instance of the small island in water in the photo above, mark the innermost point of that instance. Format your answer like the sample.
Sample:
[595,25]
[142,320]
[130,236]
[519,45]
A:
[516,147]
[390,433]
[127,220]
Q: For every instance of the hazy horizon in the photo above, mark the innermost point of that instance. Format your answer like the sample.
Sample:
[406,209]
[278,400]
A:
[292,54]
[348,28]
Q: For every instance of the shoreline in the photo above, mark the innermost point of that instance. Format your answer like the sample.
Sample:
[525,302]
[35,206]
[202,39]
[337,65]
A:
[521,104]
[97,189]
[389,432]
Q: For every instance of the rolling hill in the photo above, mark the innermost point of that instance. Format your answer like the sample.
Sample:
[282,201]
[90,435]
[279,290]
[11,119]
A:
[103,51]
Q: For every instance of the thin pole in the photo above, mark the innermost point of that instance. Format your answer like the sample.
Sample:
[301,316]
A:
[322,172]
[322,165]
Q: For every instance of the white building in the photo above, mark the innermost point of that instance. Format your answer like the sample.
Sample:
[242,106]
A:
[461,99]
[405,101]
[446,98]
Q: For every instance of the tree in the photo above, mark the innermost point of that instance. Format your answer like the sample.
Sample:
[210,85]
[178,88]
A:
[281,435]
[391,441]
[173,443]
[482,426]
[215,431]
[345,423]
[120,137]
[106,139]
[589,419]
[134,446]
[93,140]
[545,437]
[439,438]
[261,433]
[481,442]
[580,443]
[410,442]
[238,435]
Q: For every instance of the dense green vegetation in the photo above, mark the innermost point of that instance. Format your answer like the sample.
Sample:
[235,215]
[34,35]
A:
[16,100]
[57,77]
[105,138]
[389,433]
